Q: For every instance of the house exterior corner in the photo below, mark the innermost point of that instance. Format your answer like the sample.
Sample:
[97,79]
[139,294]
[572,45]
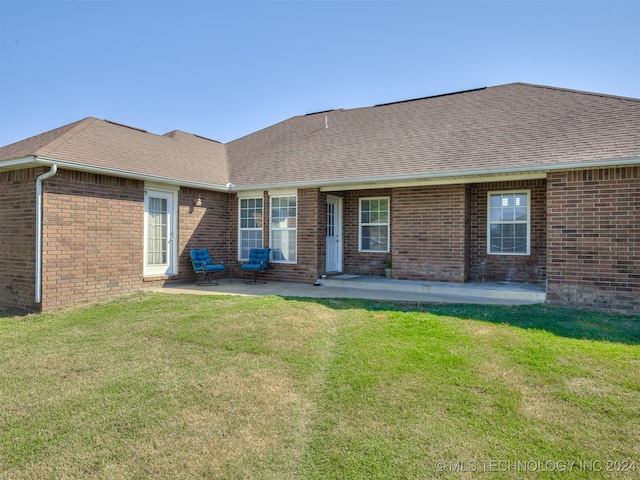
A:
[593,237]
[18,239]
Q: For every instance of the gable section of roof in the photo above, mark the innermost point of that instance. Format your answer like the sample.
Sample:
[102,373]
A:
[113,148]
[43,143]
[515,126]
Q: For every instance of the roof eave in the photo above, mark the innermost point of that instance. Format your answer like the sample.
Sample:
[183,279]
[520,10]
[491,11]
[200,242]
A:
[443,178]
[29,161]
[34,161]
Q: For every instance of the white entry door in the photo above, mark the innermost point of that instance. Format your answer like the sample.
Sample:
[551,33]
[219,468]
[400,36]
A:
[334,234]
[160,250]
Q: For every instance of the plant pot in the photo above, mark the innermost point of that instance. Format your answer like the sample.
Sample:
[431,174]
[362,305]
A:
[387,272]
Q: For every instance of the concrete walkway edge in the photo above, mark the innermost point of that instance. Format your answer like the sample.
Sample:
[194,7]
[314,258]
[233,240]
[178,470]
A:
[377,288]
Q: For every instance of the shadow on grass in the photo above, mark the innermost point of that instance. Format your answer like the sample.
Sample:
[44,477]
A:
[564,322]
[6,312]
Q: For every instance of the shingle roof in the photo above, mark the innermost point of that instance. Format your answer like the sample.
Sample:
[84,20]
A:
[509,127]
[109,146]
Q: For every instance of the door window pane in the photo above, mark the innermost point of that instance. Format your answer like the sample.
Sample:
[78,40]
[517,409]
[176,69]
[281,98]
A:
[157,232]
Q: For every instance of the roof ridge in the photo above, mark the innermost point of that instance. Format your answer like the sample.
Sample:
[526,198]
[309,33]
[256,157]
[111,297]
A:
[430,96]
[571,90]
[126,126]
[65,136]
[173,133]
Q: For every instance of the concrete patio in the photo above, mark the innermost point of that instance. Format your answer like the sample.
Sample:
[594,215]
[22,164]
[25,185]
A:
[378,288]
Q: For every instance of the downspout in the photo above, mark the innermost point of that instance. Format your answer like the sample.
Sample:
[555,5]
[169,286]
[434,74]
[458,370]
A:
[39,180]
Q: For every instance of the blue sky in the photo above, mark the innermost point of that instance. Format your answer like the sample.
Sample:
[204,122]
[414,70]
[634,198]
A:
[225,69]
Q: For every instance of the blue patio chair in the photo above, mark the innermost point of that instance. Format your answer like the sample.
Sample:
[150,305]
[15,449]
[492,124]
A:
[204,266]
[258,263]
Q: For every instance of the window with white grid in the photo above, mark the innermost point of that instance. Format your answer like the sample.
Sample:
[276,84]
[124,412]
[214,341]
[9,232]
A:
[374,224]
[509,225]
[250,222]
[284,229]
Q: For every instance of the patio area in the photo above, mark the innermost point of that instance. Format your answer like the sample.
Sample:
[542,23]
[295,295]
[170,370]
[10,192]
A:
[378,288]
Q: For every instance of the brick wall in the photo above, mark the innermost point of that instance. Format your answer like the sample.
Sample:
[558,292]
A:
[585,236]
[94,234]
[356,262]
[310,240]
[593,237]
[429,233]
[516,268]
[310,236]
[17,238]
[92,237]
[205,227]
[310,215]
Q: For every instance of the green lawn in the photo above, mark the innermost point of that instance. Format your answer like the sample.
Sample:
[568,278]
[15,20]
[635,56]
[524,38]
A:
[187,387]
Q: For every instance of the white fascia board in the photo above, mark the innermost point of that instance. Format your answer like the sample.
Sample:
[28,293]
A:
[530,172]
[18,163]
[114,172]
[476,176]
[444,178]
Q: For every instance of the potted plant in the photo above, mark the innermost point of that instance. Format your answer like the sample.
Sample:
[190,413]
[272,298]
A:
[387,267]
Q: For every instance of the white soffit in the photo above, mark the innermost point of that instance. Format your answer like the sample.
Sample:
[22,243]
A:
[452,180]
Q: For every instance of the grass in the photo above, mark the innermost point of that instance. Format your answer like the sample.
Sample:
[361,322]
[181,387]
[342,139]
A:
[170,386]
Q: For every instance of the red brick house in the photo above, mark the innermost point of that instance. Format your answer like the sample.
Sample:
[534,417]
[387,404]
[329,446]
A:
[517,182]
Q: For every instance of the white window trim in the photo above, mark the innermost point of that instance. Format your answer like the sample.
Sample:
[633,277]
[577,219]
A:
[255,196]
[250,194]
[502,192]
[388,224]
[290,192]
[282,194]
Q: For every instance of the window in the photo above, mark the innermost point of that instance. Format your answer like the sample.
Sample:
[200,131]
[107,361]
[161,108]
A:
[284,229]
[374,224]
[508,223]
[250,226]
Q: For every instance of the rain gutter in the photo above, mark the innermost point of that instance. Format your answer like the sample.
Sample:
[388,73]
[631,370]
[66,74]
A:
[449,177]
[30,162]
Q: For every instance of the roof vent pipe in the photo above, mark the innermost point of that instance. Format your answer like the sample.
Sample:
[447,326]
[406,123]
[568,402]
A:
[326,122]
[39,180]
